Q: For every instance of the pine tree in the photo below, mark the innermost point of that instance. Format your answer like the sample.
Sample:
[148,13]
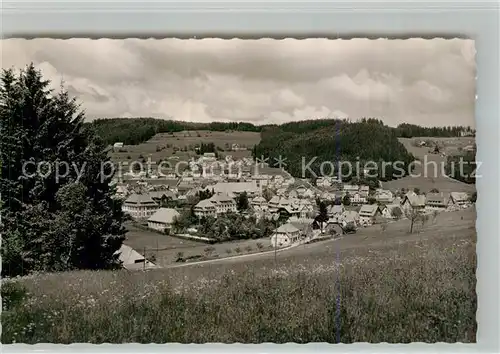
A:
[60,216]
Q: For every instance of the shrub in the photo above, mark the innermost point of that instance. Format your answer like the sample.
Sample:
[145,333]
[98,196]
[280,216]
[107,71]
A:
[209,250]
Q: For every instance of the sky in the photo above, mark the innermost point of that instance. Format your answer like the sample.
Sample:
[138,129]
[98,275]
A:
[418,81]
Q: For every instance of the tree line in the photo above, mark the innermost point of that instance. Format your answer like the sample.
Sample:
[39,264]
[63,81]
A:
[133,131]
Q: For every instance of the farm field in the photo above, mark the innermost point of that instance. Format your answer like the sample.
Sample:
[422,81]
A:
[372,287]
[186,140]
[428,178]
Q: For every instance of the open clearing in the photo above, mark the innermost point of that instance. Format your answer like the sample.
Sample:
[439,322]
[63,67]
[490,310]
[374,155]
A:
[186,140]
[426,176]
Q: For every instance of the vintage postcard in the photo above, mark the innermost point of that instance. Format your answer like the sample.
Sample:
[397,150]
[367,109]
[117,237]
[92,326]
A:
[251,191]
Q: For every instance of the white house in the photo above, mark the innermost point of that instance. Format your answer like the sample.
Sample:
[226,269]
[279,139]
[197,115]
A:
[219,203]
[236,188]
[323,182]
[350,188]
[117,146]
[388,210]
[285,235]
[335,212]
[437,201]
[368,214]
[384,196]
[259,203]
[364,191]
[350,217]
[459,198]
[133,260]
[162,220]
[223,203]
[413,201]
[205,208]
[357,198]
[140,206]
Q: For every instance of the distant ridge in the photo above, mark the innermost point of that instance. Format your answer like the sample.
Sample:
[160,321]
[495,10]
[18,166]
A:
[133,131]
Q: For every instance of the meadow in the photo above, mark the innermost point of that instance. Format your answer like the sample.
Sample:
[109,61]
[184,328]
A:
[400,288]
[429,178]
[161,146]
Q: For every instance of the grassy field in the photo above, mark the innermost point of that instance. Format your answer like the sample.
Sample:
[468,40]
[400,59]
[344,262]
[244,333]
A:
[188,139]
[372,287]
[430,178]
[165,249]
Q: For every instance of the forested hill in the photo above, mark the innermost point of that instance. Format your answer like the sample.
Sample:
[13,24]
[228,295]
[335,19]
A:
[366,140]
[132,131]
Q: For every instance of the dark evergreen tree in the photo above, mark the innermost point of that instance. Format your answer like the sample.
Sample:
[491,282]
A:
[242,202]
[322,216]
[60,216]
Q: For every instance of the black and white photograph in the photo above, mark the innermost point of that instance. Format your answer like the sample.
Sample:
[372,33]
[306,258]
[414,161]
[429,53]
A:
[238,190]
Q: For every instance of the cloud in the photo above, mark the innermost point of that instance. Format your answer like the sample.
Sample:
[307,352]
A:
[430,82]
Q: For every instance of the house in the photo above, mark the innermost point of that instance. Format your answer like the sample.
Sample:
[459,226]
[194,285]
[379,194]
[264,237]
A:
[459,199]
[258,203]
[293,194]
[117,146]
[132,260]
[364,191]
[335,212]
[274,203]
[219,203]
[261,180]
[323,182]
[205,208]
[285,235]
[301,190]
[121,190]
[413,201]
[162,196]
[388,210]
[308,193]
[350,217]
[437,201]
[163,219]
[357,198]
[384,196]
[209,156]
[369,213]
[140,206]
[305,225]
[237,188]
[350,188]
[224,203]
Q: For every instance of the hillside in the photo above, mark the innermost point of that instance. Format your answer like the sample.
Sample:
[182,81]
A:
[133,131]
[429,178]
[394,287]
[331,141]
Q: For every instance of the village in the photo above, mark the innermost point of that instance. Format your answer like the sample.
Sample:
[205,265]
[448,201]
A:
[292,211]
